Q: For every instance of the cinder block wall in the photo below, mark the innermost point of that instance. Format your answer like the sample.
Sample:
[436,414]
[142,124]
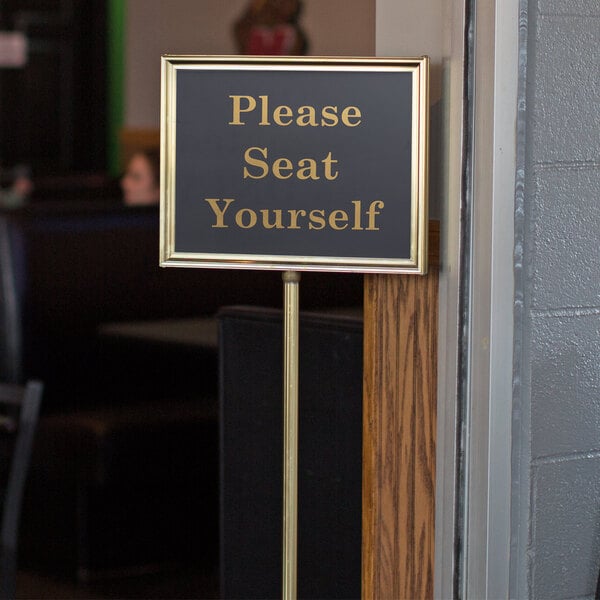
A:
[557,454]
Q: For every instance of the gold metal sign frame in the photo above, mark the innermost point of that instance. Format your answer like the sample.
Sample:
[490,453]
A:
[415,262]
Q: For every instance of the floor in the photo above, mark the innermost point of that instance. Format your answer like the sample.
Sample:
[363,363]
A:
[190,583]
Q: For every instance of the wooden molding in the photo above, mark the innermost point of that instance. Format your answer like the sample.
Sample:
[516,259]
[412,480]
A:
[134,139]
[399,432]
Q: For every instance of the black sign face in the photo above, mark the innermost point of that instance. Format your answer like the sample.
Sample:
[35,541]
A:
[294,164]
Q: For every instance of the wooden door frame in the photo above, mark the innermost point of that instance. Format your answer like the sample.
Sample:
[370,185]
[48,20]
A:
[399,432]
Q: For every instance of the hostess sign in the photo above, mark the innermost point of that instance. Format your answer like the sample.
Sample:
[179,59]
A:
[294,164]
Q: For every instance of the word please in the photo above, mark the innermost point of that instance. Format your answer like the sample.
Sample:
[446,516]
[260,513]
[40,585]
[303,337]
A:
[277,218]
[282,115]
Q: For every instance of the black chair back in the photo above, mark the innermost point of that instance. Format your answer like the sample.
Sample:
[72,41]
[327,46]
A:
[329,446]
[19,410]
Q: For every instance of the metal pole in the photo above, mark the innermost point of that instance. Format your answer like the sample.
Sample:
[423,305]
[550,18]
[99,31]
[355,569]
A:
[291,281]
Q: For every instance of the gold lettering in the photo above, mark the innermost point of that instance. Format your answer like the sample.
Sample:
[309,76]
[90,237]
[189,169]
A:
[283,112]
[307,169]
[306,116]
[237,108]
[357,219]
[283,168]
[219,213]
[351,112]
[239,218]
[328,161]
[264,105]
[283,164]
[256,162]
[329,117]
[294,214]
[265,219]
[283,115]
[317,219]
[372,212]
[338,215]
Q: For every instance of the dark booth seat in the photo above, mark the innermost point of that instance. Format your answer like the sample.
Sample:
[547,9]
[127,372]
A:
[116,490]
[128,435]
[125,464]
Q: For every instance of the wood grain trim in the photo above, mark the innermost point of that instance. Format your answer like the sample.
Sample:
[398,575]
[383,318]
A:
[399,428]
[134,139]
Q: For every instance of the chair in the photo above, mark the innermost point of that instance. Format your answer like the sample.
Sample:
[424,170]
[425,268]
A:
[19,406]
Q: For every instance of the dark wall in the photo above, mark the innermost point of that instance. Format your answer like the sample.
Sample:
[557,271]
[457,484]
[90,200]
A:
[53,111]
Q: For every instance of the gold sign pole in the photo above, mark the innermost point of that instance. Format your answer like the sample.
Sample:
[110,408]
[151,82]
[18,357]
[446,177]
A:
[291,281]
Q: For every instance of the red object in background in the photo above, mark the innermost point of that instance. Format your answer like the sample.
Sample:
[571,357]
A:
[272,41]
[270,27]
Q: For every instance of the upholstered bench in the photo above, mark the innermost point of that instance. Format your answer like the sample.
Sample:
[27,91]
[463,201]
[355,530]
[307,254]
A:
[119,490]
[138,471]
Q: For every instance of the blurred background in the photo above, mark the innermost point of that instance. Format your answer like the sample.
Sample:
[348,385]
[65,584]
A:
[87,91]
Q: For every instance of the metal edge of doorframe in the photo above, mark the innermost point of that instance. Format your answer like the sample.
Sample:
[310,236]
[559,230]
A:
[476,314]
[454,106]
[484,564]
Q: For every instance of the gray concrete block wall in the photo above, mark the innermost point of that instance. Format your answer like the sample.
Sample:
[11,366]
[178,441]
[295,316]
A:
[567,54]
[561,290]
[565,385]
[565,243]
[566,500]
